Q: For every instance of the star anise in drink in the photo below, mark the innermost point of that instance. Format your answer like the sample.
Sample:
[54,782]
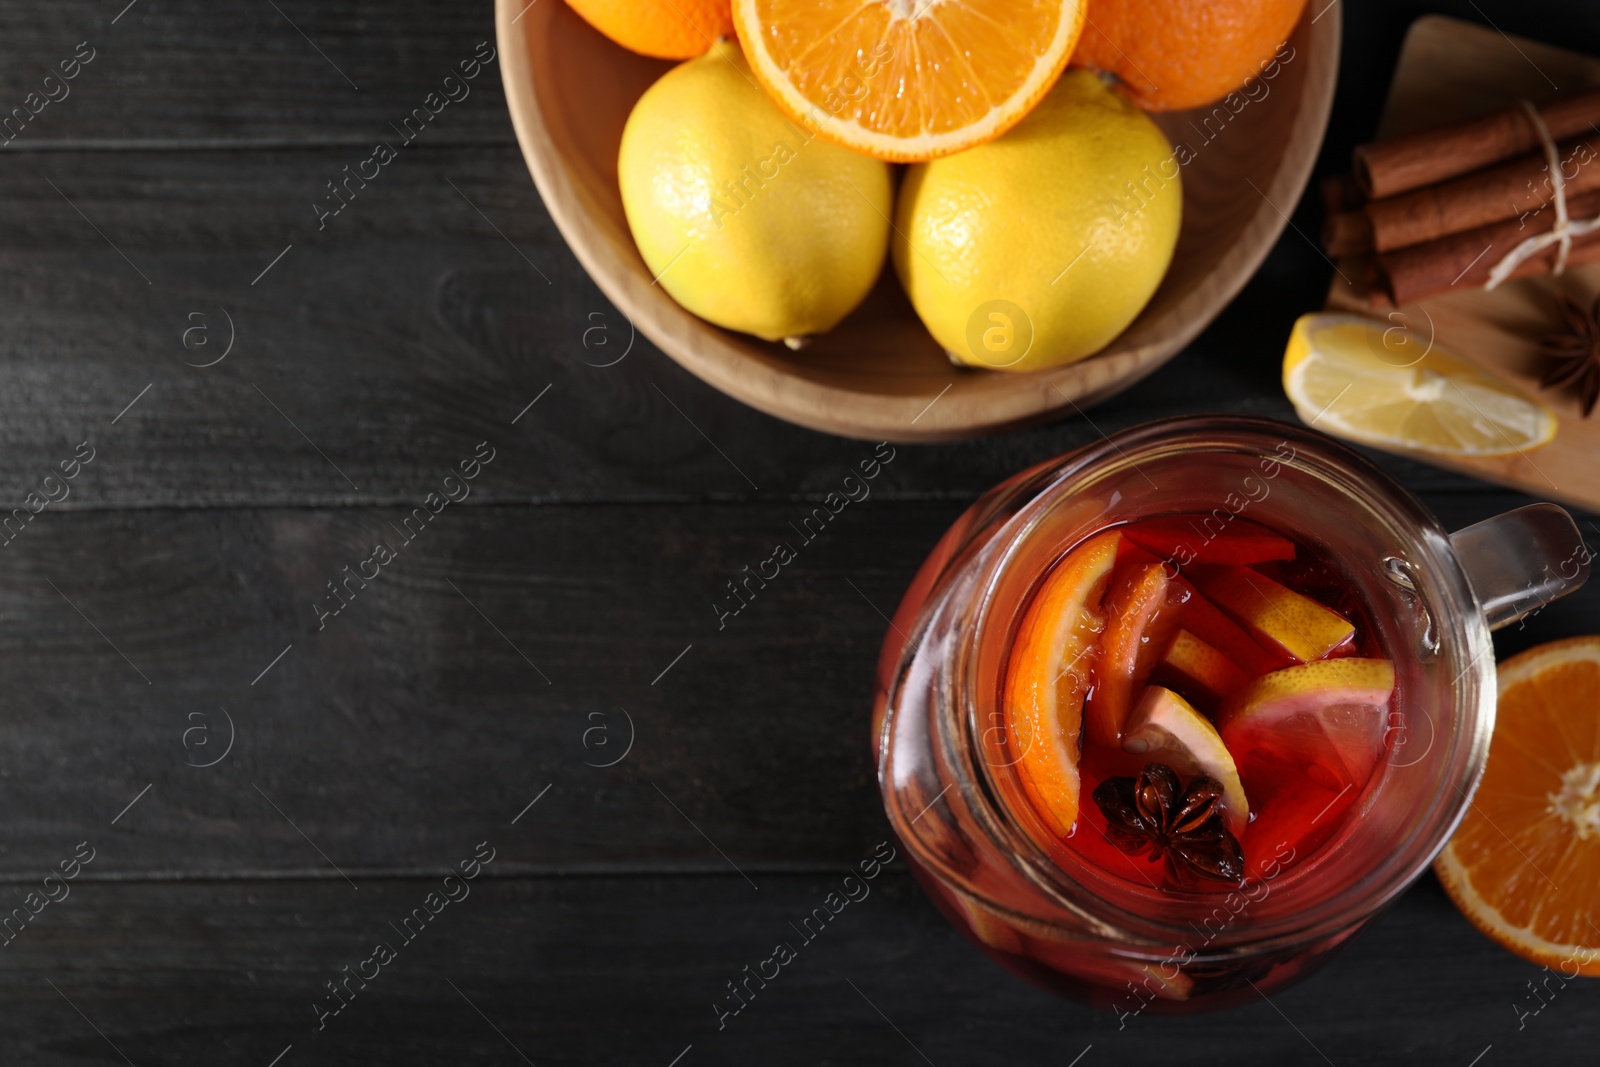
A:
[1154,813]
[1574,354]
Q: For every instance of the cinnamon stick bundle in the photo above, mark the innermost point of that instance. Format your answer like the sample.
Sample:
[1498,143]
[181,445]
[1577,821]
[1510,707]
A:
[1411,162]
[1450,204]
[1465,260]
[1503,192]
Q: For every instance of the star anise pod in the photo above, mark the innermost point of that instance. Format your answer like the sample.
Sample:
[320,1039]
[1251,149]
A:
[1574,354]
[1154,813]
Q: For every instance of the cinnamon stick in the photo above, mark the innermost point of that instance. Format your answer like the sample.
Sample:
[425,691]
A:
[1347,233]
[1405,163]
[1504,192]
[1367,282]
[1340,193]
[1465,260]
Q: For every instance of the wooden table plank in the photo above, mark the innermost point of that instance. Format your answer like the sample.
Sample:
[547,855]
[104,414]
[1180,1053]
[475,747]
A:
[588,970]
[425,701]
[207,74]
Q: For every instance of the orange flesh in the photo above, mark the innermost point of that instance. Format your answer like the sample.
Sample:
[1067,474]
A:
[921,71]
[1529,847]
[830,47]
[1049,676]
[1131,607]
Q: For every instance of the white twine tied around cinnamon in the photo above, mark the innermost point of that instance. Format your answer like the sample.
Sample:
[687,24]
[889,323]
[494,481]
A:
[1563,231]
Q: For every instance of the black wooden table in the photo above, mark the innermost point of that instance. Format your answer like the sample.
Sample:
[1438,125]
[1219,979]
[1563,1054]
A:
[262,745]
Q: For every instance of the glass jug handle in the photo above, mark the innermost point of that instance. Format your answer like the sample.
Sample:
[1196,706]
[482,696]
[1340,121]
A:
[1522,560]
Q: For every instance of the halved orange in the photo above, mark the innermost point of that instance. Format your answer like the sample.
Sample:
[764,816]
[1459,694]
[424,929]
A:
[908,80]
[1525,861]
[1048,677]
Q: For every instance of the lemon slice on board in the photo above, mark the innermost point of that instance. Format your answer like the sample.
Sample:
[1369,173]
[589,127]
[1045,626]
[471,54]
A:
[1388,386]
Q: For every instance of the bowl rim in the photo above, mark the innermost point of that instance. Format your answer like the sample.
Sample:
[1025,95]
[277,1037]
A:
[766,384]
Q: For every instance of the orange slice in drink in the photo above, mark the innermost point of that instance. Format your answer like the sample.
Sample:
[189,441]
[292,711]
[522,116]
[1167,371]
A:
[1048,677]
[1127,656]
[1524,863]
[907,80]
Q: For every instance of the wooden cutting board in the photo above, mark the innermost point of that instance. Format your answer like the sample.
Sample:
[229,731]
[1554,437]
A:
[1451,70]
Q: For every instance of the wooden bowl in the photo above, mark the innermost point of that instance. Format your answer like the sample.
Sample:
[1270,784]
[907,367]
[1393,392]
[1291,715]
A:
[879,375]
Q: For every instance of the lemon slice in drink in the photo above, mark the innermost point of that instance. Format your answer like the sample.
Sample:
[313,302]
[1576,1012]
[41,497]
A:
[1388,386]
[1165,728]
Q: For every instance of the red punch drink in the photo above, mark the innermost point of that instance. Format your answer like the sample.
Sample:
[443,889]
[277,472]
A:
[1193,707]
[1164,722]
[1250,673]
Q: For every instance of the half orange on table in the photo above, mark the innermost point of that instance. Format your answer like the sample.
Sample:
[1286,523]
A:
[1524,866]
[908,80]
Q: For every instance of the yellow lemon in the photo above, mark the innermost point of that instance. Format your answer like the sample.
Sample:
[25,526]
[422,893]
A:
[1391,387]
[745,218]
[1037,249]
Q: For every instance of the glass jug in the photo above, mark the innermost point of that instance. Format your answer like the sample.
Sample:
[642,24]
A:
[1074,928]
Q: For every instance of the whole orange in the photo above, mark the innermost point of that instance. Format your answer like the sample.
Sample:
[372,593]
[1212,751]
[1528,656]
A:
[666,29]
[1179,54]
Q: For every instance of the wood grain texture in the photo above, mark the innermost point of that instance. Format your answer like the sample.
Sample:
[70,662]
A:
[192,74]
[571,971]
[875,374]
[466,678]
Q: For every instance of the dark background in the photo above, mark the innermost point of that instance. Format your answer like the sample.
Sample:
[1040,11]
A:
[459,686]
